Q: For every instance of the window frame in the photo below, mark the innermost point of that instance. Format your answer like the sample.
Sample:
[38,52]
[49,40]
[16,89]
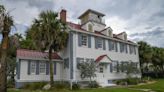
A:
[114,66]
[90,28]
[33,67]
[101,70]
[112,45]
[99,43]
[132,49]
[124,47]
[84,40]
[42,62]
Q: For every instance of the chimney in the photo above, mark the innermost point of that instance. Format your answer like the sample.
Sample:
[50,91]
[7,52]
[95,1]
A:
[63,16]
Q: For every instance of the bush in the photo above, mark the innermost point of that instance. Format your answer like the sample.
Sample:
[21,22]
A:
[128,81]
[146,79]
[93,84]
[10,83]
[75,86]
[61,85]
[132,81]
[35,86]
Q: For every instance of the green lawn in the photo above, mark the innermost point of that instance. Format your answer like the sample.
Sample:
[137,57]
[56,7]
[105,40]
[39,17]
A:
[83,90]
[157,87]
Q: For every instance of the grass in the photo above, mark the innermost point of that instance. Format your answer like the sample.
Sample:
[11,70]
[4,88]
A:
[157,87]
[82,90]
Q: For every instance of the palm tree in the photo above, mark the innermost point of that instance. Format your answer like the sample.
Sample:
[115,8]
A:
[145,54]
[6,22]
[48,33]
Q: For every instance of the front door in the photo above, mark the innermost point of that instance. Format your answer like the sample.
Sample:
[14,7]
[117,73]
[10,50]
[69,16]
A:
[101,74]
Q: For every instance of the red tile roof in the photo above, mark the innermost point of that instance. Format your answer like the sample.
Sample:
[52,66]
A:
[24,53]
[100,58]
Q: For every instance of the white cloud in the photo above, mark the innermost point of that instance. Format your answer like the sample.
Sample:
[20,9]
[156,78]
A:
[132,16]
[117,24]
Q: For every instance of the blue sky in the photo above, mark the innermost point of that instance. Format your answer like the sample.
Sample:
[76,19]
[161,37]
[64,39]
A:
[141,19]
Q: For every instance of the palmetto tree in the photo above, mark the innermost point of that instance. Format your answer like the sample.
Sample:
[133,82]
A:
[48,33]
[145,54]
[6,22]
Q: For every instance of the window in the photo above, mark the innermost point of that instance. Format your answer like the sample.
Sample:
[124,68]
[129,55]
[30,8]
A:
[123,47]
[132,49]
[101,70]
[111,45]
[114,66]
[90,28]
[66,63]
[42,67]
[79,61]
[33,67]
[124,66]
[84,40]
[110,33]
[99,43]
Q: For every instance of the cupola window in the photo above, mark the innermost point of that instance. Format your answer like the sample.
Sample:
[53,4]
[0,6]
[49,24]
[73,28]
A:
[90,28]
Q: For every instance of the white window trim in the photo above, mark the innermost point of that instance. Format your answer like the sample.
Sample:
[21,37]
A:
[39,67]
[114,48]
[102,70]
[98,40]
[86,41]
[114,65]
[33,62]
[90,25]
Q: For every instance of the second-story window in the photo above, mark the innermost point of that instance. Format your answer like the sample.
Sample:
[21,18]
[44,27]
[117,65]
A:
[132,49]
[99,43]
[123,48]
[111,45]
[84,40]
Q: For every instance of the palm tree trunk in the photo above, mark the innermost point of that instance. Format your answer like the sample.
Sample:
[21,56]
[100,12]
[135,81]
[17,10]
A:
[3,63]
[51,67]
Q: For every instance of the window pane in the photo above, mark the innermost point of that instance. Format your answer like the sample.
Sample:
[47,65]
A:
[42,67]
[99,43]
[84,40]
[101,70]
[33,67]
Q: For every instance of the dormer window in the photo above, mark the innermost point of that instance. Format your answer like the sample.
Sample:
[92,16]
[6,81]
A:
[125,36]
[90,28]
[109,33]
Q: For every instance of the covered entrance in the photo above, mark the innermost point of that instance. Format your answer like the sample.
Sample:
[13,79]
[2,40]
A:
[104,66]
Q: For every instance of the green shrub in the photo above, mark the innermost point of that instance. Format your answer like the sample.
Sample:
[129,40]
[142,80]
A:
[61,86]
[35,85]
[128,81]
[75,86]
[132,81]
[146,79]
[10,84]
[93,84]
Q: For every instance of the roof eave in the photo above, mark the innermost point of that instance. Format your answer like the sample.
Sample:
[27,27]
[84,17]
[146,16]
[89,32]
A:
[91,33]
